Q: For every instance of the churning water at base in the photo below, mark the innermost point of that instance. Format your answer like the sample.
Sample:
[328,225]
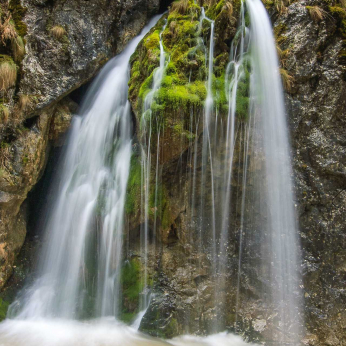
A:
[106,332]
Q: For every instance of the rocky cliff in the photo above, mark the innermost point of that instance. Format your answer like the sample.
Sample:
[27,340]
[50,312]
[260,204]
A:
[316,103]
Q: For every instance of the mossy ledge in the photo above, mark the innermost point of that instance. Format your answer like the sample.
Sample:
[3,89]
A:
[184,84]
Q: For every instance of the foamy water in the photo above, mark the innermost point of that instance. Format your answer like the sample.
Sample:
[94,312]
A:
[105,332]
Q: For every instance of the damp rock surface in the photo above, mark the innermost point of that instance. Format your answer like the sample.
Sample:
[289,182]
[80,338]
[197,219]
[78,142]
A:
[316,109]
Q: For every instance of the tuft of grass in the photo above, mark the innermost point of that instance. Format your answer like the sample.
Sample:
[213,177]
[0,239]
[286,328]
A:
[58,32]
[280,5]
[316,13]
[180,6]
[7,30]
[228,7]
[18,48]
[8,74]
[24,102]
[283,55]
[287,80]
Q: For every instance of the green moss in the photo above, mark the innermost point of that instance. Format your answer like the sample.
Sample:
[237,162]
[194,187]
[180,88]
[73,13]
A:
[247,19]
[183,87]
[153,40]
[339,14]
[159,204]
[243,97]
[220,99]
[127,317]
[172,328]
[279,30]
[215,9]
[18,12]
[3,309]
[6,58]
[182,96]
[131,281]
[4,145]
[133,186]
[25,159]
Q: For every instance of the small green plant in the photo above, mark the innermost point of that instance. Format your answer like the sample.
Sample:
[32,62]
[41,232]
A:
[153,40]
[280,5]
[58,32]
[283,55]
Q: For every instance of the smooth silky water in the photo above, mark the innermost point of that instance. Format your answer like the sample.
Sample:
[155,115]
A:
[76,298]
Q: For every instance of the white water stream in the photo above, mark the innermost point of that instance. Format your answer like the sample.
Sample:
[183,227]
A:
[276,190]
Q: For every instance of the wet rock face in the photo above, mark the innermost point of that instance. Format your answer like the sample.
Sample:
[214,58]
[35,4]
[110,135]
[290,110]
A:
[317,115]
[91,32]
[23,160]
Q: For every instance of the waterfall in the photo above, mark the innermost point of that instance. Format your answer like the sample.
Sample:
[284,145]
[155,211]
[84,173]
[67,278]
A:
[147,128]
[267,106]
[239,213]
[80,265]
[245,196]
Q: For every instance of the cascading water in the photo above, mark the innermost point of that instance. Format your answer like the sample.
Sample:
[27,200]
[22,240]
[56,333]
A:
[147,125]
[81,263]
[279,225]
[231,147]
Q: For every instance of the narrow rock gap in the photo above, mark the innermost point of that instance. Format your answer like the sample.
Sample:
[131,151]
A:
[164,5]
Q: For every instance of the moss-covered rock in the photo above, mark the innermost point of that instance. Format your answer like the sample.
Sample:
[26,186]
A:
[18,12]
[132,287]
[179,102]
[3,309]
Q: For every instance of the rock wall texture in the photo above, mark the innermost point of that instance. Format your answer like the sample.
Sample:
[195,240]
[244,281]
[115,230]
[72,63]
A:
[317,113]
